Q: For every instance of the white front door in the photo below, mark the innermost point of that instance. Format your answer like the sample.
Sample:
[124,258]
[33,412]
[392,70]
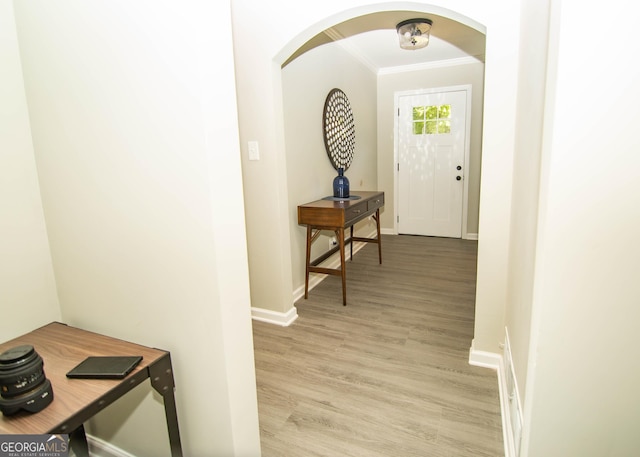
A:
[432,138]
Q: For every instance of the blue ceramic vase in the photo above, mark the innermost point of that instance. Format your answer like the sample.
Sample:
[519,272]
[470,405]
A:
[341,185]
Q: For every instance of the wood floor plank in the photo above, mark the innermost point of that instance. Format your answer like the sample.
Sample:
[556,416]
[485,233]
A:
[388,374]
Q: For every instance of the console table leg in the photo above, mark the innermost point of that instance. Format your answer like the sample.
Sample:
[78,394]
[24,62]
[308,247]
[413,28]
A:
[351,244]
[377,218]
[343,266]
[306,275]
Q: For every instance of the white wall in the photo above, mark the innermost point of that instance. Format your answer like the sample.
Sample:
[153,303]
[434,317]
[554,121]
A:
[583,373]
[524,216]
[134,126]
[454,75]
[306,83]
[27,284]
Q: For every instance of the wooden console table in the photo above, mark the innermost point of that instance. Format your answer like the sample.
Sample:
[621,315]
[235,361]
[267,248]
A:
[77,400]
[338,215]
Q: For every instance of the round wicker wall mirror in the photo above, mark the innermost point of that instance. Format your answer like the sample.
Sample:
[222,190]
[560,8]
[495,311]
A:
[338,129]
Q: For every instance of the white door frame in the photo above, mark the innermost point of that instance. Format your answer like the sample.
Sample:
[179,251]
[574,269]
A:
[467,148]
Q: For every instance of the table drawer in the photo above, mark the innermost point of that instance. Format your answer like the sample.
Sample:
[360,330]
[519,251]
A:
[355,212]
[375,203]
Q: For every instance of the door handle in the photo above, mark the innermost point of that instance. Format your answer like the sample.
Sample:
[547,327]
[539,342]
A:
[458,178]
[458,168]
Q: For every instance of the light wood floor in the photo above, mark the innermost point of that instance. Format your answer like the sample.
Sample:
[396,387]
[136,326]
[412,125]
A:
[387,375]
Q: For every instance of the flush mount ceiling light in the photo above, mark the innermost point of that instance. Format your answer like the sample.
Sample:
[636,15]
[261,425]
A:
[414,33]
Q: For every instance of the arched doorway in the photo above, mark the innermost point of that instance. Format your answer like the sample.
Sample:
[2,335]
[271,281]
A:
[348,55]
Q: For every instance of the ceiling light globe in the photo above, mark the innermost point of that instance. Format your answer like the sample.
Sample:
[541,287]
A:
[414,33]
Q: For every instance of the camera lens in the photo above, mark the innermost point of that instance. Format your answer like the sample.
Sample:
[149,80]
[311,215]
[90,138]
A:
[23,384]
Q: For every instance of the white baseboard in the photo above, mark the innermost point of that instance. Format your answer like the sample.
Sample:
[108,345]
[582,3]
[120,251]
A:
[510,402]
[484,359]
[496,362]
[466,236]
[274,317]
[100,448]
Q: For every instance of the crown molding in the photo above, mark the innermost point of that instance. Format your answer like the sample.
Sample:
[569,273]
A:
[429,65]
